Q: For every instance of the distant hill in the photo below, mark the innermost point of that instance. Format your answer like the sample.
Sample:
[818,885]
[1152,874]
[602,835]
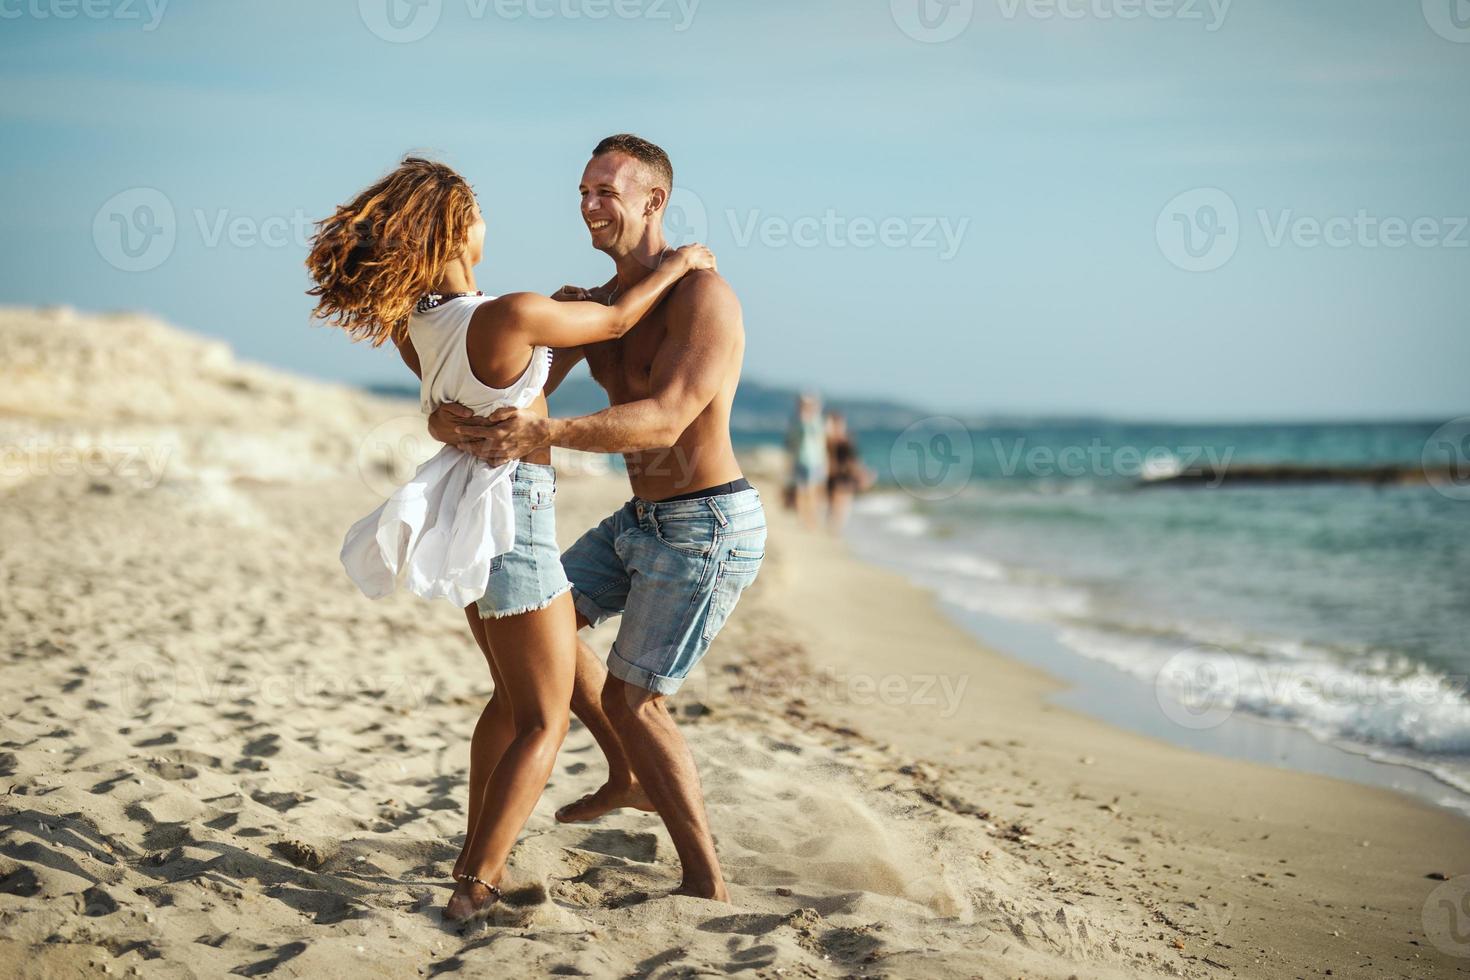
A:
[758,407]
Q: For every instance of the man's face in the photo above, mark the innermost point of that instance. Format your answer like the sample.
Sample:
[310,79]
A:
[619,203]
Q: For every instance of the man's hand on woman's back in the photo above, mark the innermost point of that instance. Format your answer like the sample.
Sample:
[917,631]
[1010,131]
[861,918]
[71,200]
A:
[444,420]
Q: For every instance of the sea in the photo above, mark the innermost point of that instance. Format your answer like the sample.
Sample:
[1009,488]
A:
[1335,608]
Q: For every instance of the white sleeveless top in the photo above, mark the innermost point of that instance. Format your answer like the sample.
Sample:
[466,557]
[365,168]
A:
[439,532]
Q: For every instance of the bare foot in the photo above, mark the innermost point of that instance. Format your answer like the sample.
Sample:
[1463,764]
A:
[471,902]
[459,861]
[605,800]
[715,893]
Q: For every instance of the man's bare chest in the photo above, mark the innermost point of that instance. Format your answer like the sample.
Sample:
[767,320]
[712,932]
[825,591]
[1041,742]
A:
[624,367]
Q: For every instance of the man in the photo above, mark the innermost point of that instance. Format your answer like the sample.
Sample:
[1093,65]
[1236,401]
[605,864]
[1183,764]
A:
[674,560]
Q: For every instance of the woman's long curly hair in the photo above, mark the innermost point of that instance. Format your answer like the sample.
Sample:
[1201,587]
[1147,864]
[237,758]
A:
[381,252]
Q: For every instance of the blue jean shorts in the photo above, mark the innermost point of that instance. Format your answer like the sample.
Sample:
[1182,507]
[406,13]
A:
[674,572]
[530,575]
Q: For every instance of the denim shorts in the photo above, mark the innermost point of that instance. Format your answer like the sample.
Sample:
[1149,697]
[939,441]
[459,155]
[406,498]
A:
[674,571]
[529,576]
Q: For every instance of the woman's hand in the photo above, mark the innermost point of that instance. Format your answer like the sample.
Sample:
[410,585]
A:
[572,294]
[697,257]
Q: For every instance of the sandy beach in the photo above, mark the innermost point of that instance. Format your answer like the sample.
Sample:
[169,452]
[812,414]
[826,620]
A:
[218,757]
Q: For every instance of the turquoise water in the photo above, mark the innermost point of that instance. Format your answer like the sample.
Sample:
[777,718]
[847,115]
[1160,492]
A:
[1343,609]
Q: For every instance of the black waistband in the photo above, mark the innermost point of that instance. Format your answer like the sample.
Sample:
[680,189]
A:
[738,486]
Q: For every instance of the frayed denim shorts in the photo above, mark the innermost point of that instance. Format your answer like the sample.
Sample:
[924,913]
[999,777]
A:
[529,576]
[674,571]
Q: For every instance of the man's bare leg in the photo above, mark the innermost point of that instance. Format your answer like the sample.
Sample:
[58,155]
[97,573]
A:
[661,760]
[622,788]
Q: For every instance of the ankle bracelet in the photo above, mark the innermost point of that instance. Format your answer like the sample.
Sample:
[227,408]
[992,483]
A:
[477,880]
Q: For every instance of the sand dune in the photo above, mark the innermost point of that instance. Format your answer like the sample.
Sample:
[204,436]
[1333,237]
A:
[220,759]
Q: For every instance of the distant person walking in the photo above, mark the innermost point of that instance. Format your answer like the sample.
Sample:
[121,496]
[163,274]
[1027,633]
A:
[846,474]
[807,442]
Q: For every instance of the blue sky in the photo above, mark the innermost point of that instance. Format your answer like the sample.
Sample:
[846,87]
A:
[987,222]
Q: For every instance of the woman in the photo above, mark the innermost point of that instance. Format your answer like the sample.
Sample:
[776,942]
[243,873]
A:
[806,440]
[846,474]
[397,263]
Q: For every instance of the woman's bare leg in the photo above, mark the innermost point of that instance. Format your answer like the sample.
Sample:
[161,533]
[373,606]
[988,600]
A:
[535,657]
[493,733]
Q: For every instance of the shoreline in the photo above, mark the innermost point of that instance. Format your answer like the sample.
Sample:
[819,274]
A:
[1120,700]
[1228,728]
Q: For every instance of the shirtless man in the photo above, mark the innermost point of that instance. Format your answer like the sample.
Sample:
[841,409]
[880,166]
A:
[673,560]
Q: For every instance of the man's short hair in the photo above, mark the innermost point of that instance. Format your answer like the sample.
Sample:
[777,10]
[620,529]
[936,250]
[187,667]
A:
[646,153]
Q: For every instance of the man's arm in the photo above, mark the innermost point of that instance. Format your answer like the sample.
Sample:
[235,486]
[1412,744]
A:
[688,372]
[443,420]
